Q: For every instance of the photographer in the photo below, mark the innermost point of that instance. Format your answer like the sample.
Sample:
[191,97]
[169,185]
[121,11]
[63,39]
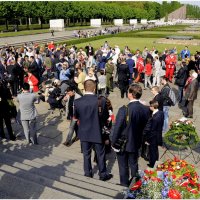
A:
[55,96]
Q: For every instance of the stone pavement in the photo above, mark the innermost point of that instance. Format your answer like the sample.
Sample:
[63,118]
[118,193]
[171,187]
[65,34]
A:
[51,170]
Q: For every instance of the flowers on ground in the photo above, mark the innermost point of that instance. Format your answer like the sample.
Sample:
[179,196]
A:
[173,179]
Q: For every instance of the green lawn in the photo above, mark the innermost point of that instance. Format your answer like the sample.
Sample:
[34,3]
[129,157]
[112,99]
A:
[136,43]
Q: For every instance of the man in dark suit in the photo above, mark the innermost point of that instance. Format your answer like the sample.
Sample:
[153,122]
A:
[157,97]
[153,132]
[138,117]
[34,69]
[90,129]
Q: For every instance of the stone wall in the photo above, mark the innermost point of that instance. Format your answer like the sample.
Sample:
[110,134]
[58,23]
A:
[178,14]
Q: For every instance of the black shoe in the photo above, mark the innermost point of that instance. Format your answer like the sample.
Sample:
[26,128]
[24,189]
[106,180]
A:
[89,176]
[149,165]
[67,144]
[13,138]
[145,158]
[106,177]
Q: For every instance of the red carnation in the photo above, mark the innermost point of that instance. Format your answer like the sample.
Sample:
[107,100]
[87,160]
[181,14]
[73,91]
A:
[137,185]
[174,194]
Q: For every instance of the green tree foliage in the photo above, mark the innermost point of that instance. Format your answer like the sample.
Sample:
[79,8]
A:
[84,11]
[193,12]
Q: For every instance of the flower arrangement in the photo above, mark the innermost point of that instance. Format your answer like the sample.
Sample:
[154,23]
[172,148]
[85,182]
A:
[173,179]
[182,134]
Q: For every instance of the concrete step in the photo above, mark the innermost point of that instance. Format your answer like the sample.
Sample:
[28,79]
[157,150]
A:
[76,190]
[5,195]
[76,164]
[20,188]
[73,166]
[47,175]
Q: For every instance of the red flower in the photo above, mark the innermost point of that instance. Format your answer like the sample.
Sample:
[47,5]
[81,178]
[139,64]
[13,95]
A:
[194,191]
[174,194]
[176,159]
[148,172]
[173,176]
[156,179]
[184,184]
[137,185]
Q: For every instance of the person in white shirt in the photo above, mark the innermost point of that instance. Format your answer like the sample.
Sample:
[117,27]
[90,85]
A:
[157,69]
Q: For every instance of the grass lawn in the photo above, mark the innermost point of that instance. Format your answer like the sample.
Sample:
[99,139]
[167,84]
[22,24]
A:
[136,43]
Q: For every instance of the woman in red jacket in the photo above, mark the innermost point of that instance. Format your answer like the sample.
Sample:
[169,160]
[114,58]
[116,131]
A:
[148,73]
[32,81]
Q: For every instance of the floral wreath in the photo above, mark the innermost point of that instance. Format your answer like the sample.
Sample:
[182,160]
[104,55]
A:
[182,134]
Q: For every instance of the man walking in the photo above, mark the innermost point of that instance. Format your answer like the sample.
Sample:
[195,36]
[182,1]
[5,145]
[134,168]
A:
[138,115]
[28,113]
[90,129]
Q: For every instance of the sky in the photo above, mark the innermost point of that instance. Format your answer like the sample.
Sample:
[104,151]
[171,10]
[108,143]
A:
[194,2]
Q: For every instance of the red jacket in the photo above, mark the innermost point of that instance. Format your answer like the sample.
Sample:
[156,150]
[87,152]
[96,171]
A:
[148,69]
[140,65]
[33,82]
[170,61]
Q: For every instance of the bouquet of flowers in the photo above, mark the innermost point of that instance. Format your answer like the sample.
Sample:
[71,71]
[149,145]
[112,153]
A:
[173,179]
[182,134]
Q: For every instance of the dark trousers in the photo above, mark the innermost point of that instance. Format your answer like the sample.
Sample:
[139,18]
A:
[14,87]
[7,121]
[126,160]
[72,129]
[189,110]
[100,151]
[180,93]
[153,151]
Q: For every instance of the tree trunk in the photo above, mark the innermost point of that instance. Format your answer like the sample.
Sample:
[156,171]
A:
[81,22]
[73,21]
[68,22]
[27,24]
[39,21]
[20,21]
[29,21]
[6,24]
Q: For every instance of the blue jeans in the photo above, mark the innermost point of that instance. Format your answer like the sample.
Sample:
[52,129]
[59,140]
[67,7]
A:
[166,118]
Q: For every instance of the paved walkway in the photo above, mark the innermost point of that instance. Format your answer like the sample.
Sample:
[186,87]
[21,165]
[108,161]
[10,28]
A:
[58,36]
[62,124]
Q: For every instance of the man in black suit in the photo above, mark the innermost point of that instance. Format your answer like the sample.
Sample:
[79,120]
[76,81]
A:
[90,129]
[157,97]
[34,69]
[153,132]
[138,117]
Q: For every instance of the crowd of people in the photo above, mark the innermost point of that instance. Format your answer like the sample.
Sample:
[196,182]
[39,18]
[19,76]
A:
[93,33]
[79,81]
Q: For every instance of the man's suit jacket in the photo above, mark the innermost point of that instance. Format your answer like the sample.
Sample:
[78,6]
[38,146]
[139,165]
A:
[86,111]
[154,126]
[138,117]
[191,90]
[159,99]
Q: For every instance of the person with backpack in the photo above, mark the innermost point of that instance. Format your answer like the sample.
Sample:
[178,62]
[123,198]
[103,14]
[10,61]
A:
[168,101]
